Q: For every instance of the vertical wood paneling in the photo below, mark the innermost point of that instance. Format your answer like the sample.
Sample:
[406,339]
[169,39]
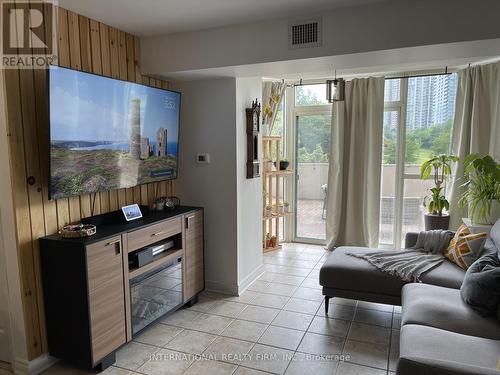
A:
[95,47]
[113,52]
[74,62]
[62,205]
[105,52]
[85,55]
[86,45]
[21,204]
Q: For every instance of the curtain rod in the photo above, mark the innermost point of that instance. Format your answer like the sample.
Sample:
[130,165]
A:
[421,75]
[445,73]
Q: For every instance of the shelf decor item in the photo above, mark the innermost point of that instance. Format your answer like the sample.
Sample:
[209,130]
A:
[440,168]
[482,189]
[286,207]
[283,165]
[78,230]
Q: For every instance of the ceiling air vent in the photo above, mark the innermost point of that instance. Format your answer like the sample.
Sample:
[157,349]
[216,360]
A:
[304,33]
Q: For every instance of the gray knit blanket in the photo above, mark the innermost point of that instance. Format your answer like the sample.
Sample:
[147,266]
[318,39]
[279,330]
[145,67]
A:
[410,264]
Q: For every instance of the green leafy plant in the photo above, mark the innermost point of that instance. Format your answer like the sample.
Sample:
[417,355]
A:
[440,168]
[482,185]
[436,202]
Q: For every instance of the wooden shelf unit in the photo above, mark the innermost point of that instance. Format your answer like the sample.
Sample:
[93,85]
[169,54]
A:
[271,180]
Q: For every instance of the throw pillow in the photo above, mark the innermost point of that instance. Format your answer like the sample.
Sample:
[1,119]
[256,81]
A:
[481,286]
[465,247]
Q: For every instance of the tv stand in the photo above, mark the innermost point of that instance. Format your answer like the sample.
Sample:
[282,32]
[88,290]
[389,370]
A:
[87,281]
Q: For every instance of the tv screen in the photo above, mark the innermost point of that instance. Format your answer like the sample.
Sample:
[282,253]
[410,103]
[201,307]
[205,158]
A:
[108,134]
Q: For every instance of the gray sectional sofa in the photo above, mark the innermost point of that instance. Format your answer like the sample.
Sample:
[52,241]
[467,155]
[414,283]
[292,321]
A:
[440,334]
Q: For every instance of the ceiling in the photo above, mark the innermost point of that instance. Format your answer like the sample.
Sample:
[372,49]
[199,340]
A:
[158,17]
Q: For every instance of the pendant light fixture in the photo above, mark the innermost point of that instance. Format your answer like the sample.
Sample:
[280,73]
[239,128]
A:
[335,89]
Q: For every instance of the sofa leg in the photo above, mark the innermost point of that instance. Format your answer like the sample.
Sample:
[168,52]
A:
[327,303]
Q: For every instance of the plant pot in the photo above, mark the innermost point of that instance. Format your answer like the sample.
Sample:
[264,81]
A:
[272,241]
[491,218]
[267,244]
[433,222]
[284,164]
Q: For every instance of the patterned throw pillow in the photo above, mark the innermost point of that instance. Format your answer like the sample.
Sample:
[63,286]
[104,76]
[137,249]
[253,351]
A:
[465,247]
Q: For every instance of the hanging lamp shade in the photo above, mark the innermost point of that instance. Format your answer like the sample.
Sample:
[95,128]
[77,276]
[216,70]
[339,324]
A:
[335,90]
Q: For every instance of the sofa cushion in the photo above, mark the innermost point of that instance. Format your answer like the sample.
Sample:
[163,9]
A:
[341,271]
[433,351]
[443,308]
[481,286]
[465,247]
[447,274]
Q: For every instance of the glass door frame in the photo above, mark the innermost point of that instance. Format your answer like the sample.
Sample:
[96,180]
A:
[400,175]
[291,139]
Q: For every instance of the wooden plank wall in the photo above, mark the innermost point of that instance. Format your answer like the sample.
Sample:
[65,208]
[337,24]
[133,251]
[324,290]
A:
[87,45]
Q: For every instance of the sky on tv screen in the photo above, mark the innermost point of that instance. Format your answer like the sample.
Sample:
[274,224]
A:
[88,107]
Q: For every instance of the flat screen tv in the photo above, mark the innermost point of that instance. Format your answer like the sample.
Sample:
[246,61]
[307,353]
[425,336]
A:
[108,134]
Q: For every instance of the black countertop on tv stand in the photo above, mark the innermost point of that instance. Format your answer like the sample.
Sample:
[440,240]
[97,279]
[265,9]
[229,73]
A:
[113,223]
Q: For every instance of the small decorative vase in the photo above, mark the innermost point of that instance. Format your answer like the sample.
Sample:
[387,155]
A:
[160,206]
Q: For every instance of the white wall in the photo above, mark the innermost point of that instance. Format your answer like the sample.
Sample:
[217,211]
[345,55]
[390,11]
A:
[382,26]
[208,126]
[249,190]
[213,122]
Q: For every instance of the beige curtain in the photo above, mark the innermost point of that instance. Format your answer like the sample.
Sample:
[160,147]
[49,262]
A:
[272,94]
[476,128]
[353,199]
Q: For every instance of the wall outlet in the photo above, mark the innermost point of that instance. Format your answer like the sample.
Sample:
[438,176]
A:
[203,158]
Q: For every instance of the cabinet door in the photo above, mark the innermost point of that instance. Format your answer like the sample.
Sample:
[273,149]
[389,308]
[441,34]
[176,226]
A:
[106,297]
[194,267]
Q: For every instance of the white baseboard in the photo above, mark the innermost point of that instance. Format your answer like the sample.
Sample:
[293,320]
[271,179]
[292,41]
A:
[250,279]
[232,289]
[218,287]
[36,366]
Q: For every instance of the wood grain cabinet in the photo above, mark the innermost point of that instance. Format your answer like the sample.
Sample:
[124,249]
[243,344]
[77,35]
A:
[106,292]
[84,299]
[194,258]
[87,282]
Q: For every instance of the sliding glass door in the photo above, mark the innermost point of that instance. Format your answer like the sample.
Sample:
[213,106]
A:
[311,115]
[418,121]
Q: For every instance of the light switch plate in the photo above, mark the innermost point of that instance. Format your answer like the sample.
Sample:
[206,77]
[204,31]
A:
[203,158]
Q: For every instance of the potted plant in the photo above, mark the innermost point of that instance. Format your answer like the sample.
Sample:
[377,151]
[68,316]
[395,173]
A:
[482,189]
[440,168]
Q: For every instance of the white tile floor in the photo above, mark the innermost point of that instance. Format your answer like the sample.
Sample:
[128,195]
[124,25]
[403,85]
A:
[277,326]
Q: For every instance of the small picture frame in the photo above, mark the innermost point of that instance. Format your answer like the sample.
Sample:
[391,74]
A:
[132,212]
